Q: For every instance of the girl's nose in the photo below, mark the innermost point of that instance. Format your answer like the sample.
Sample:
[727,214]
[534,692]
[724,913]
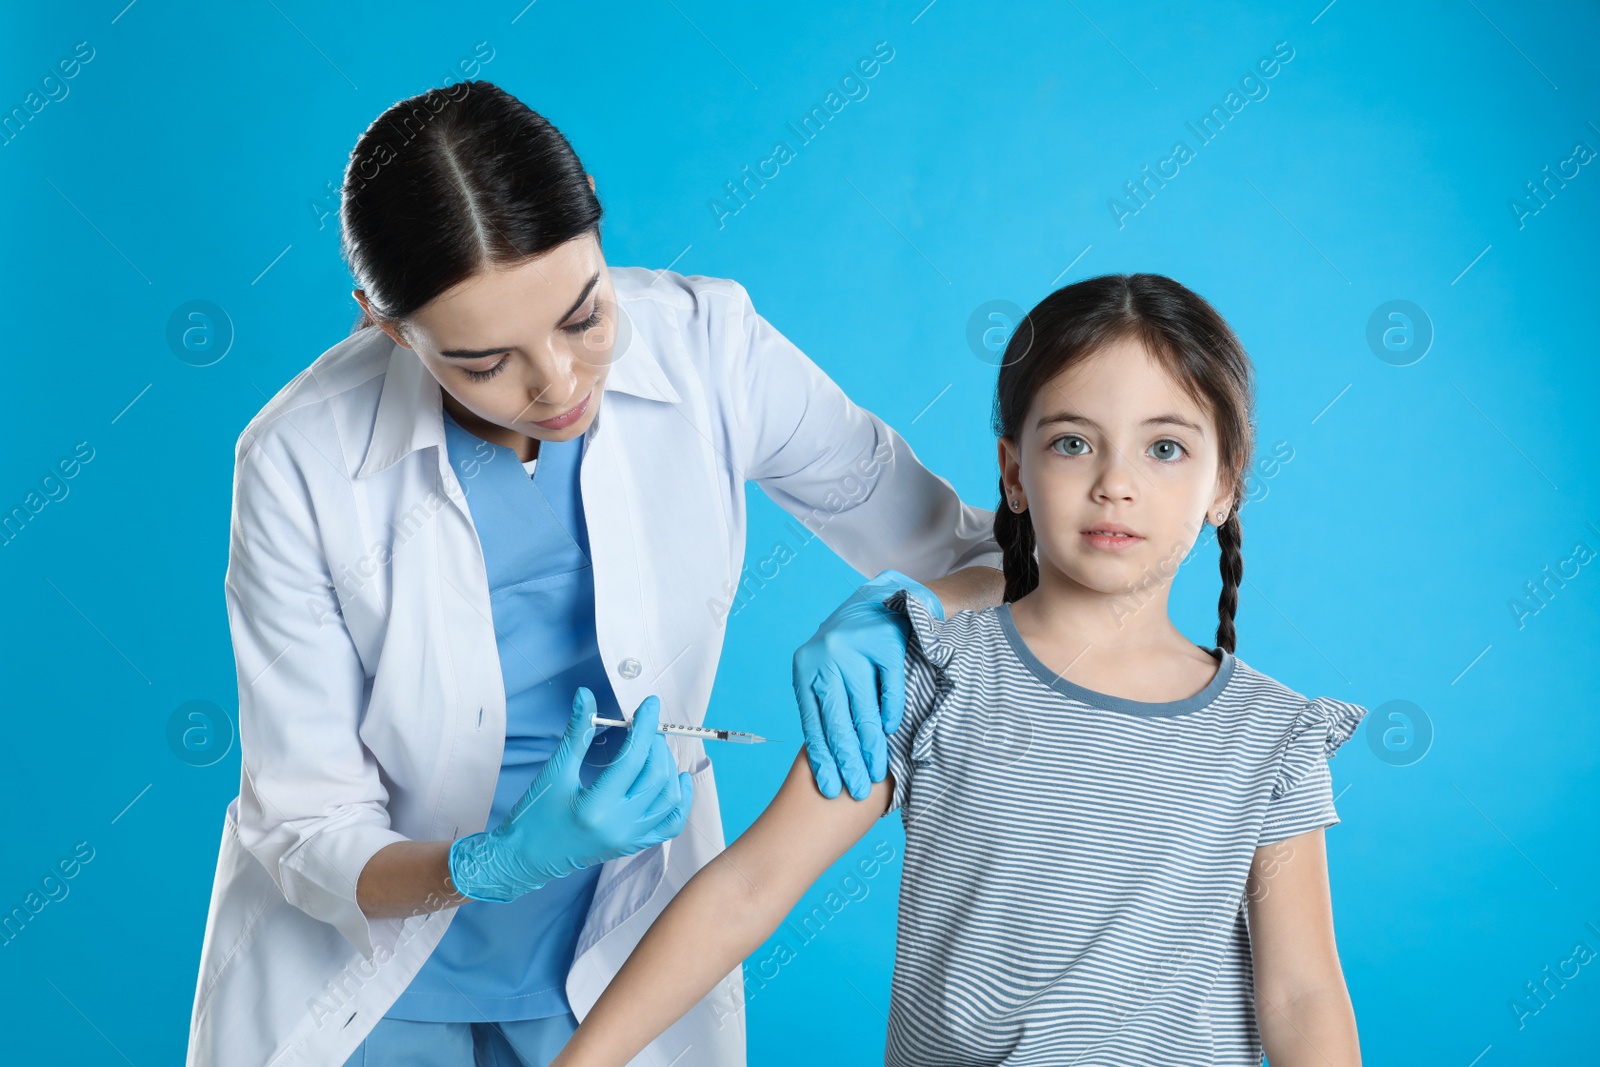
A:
[1117,477]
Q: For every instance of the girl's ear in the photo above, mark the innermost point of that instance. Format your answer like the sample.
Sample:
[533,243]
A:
[1010,463]
[1222,503]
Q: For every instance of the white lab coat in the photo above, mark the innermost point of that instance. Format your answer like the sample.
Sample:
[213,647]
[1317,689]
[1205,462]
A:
[371,704]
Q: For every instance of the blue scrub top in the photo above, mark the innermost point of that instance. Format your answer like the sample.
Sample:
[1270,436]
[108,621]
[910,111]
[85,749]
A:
[510,961]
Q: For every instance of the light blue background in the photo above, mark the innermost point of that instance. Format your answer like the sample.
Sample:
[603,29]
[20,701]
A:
[188,160]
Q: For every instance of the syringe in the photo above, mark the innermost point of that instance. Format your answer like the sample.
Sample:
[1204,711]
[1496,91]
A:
[705,733]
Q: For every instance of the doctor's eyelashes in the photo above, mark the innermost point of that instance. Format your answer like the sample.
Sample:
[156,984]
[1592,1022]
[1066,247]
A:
[589,323]
[582,327]
[485,375]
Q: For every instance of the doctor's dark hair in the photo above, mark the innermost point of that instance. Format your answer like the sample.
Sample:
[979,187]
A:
[451,181]
[1188,338]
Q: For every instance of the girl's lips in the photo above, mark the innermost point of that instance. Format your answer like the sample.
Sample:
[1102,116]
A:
[1112,542]
[569,417]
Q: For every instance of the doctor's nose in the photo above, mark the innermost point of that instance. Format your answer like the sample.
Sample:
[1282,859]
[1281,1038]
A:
[557,398]
[556,383]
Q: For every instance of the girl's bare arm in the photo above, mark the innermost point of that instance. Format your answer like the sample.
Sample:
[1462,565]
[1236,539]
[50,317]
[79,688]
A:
[1302,1006]
[722,915]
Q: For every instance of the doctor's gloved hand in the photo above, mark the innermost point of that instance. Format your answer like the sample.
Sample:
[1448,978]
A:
[558,826]
[850,682]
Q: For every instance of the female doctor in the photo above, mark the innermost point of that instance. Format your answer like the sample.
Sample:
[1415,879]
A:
[511,500]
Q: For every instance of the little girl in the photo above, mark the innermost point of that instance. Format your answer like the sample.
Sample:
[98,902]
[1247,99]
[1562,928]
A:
[1114,836]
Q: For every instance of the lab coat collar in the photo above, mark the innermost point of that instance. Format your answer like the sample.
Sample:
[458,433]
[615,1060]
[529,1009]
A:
[411,414]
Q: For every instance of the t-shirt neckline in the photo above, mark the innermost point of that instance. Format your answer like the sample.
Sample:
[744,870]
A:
[1036,666]
[529,465]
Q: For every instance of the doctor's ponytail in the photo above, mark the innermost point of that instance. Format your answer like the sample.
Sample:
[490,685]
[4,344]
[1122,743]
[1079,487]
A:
[1186,336]
[448,182]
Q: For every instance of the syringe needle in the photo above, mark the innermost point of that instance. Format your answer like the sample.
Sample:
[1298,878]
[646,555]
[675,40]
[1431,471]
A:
[741,737]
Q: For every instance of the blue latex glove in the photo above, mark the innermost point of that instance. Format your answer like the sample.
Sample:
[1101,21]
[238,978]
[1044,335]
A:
[850,682]
[558,826]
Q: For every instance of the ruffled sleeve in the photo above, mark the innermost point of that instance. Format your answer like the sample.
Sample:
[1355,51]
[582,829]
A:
[928,656]
[1302,788]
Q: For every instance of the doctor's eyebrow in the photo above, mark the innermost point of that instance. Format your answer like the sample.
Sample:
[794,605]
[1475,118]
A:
[1157,420]
[469,353]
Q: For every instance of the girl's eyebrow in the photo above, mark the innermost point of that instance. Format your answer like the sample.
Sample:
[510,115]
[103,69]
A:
[1170,418]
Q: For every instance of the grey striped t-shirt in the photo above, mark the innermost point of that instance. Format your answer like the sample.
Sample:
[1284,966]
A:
[1075,863]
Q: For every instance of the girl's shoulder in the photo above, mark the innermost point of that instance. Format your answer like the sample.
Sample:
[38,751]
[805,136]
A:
[968,635]
[1312,728]
[972,645]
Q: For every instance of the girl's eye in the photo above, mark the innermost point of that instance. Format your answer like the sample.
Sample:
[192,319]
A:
[1077,446]
[1173,444]
[485,375]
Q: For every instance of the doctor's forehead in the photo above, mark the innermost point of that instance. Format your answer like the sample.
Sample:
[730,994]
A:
[540,293]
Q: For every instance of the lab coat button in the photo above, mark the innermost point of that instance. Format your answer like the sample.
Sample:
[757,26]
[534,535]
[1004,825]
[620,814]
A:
[628,668]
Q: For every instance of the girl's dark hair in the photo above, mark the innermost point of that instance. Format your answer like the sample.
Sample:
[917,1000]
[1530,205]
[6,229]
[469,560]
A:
[444,184]
[1188,338]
